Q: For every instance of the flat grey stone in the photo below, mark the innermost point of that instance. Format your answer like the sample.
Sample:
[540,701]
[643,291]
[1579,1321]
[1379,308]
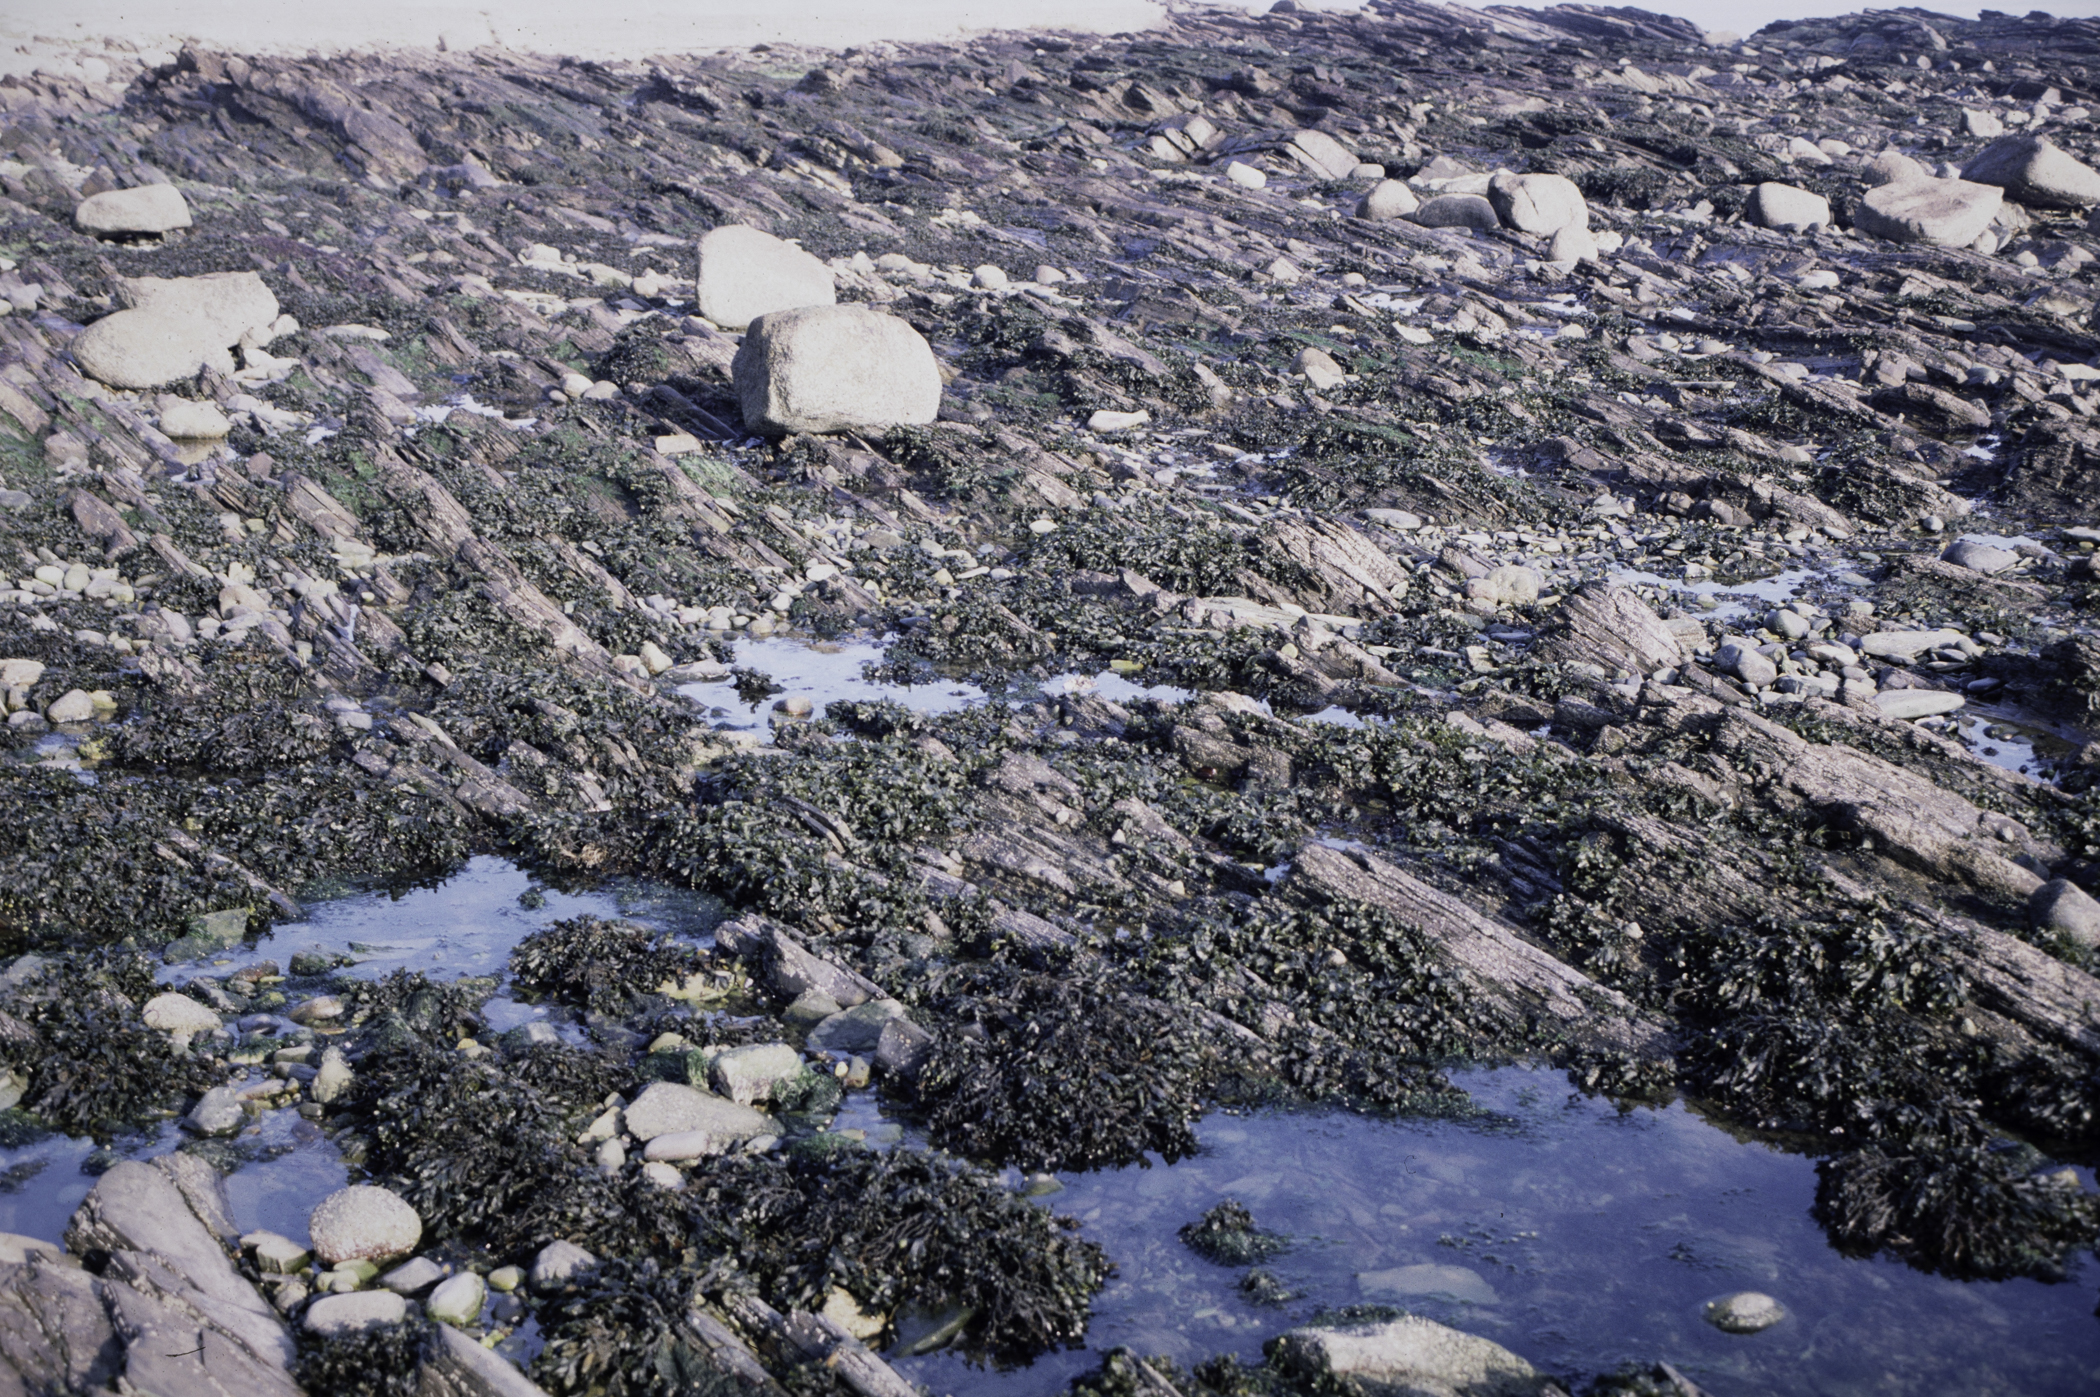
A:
[1938,212]
[1410,1355]
[338,1316]
[1916,703]
[217,1112]
[558,1262]
[750,1074]
[855,1031]
[1979,557]
[2061,905]
[1457,211]
[1745,1312]
[412,1276]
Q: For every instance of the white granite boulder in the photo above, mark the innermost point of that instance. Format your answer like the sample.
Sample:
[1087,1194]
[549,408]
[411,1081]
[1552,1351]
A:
[745,273]
[834,369]
[1541,204]
[1786,208]
[364,1223]
[173,327]
[149,209]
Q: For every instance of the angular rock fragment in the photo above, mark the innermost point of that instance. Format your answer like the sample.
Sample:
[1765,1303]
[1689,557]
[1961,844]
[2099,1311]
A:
[2035,171]
[1410,1355]
[1939,212]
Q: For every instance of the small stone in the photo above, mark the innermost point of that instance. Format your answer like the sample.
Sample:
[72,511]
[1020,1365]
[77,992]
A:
[990,278]
[1246,176]
[2060,905]
[1787,209]
[505,1279]
[1319,368]
[744,274]
[189,420]
[412,1276]
[333,1077]
[795,706]
[1540,204]
[855,1031]
[1387,200]
[752,1074]
[1457,211]
[1745,1312]
[843,1310]
[1574,243]
[832,369]
[320,1009]
[1105,420]
[558,1263]
[275,1254]
[663,1175]
[653,656]
[1512,585]
[217,1112]
[338,1316]
[1789,624]
[1979,557]
[670,1108]
[179,1014]
[148,209]
[1910,704]
[458,1301]
[74,706]
[20,674]
[1906,645]
[1740,658]
[810,1007]
[363,1223]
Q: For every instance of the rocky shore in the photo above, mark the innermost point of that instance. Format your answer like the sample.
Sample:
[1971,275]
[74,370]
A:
[1598,527]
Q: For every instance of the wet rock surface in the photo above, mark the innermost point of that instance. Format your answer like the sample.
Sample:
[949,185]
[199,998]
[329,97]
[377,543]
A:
[1592,513]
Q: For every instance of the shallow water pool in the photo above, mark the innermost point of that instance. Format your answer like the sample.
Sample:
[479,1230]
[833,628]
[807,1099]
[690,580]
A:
[1577,1235]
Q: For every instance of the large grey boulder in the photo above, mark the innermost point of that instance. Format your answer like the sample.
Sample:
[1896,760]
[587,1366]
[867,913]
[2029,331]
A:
[1412,1356]
[745,273]
[1541,204]
[856,1032]
[364,1223]
[148,209]
[835,369]
[1457,211]
[173,327]
[1786,209]
[1939,212]
[2035,170]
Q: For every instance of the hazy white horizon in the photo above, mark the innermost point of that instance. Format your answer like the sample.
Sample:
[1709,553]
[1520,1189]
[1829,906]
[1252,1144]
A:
[636,27]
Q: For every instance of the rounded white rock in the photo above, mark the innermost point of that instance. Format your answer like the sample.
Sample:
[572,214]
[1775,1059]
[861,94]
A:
[364,1223]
